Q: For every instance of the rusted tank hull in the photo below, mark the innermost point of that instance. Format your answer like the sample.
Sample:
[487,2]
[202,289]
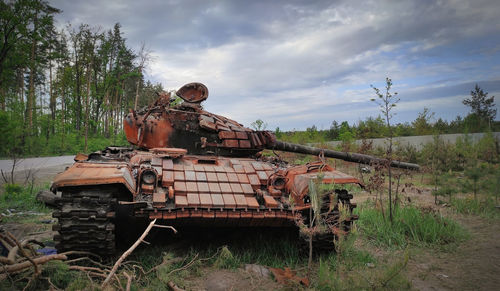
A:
[181,190]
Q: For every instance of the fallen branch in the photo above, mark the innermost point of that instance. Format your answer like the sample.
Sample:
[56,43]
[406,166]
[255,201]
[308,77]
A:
[96,274]
[6,242]
[6,261]
[184,267]
[39,261]
[173,287]
[23,253]
[171,261]
[85,269]
[129,280]
[69,253]
[128,252]
[88,259]
[52,286]
[166,226]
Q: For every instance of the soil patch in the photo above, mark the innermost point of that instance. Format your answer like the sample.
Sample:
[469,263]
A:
[474,265]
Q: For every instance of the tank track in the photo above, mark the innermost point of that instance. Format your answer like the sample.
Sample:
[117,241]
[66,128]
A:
[86,221]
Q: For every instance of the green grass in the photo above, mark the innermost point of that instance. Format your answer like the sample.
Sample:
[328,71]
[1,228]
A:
[355,268]
[270,247]
[21,198]
[410,226]
[485,208]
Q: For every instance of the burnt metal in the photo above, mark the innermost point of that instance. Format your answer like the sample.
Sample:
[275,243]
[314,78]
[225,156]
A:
[192,167]
[346,156]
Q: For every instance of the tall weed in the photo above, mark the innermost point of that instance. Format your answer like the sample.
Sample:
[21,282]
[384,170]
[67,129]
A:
[469,205]
[411,226]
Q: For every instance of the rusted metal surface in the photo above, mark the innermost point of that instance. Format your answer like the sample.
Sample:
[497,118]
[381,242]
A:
[346,156]
[192,167]
[88,173]
[190,127]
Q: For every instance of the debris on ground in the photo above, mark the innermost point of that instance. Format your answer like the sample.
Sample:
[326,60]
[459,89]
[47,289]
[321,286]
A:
[47,197]
[287,276]
[258,270]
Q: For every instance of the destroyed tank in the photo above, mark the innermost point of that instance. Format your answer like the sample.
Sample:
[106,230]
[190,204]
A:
[192,167]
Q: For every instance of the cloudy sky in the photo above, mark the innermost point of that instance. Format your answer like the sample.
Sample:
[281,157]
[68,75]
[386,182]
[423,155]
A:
[298,63]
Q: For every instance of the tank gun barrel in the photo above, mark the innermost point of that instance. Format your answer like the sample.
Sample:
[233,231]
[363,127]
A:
[346,156]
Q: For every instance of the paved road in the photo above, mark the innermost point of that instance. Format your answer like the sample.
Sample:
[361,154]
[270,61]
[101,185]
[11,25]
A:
[36,163]
[37,170]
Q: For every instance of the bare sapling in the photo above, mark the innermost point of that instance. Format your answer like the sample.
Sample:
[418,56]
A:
[386,102]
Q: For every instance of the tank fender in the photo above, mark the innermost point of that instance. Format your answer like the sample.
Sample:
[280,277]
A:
[298,178]
[90,174]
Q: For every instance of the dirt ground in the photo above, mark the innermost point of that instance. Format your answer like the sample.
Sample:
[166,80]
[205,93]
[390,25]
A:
[240,279]
[474,265]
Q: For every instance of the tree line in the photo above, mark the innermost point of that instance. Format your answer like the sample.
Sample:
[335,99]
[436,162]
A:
[481,118]
[64,90]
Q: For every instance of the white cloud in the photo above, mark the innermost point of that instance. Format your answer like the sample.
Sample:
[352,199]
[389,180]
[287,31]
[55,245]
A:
[288,61]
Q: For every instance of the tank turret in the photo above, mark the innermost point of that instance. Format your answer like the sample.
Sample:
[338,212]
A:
[190,127]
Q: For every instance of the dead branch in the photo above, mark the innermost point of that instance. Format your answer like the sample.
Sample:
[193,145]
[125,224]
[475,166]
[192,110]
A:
[5,180]
[23,253]
[117,281]
[129,280]
[24,244]
[173,287]
[140,269]
[6,261]
[88,259]
[38,261]
[6,241]
[29,283]
[52,286]
[130,262]
[128,252]
[166,226]
[165,262]
[85,269]
[97,274]
[69,253]
[12,254]
[185,266]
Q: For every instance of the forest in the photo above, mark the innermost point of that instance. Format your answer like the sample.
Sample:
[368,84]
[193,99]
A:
[64,90]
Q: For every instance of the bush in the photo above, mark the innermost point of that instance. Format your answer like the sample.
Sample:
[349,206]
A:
[225,259]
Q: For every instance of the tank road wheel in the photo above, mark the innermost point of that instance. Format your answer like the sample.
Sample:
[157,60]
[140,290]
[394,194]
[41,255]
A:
[325,242]
[86,221]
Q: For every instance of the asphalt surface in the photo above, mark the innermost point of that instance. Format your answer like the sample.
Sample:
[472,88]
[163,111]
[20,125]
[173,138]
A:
[37,170]
[36,163]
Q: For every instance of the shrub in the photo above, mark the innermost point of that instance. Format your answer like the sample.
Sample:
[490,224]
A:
[225,259]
